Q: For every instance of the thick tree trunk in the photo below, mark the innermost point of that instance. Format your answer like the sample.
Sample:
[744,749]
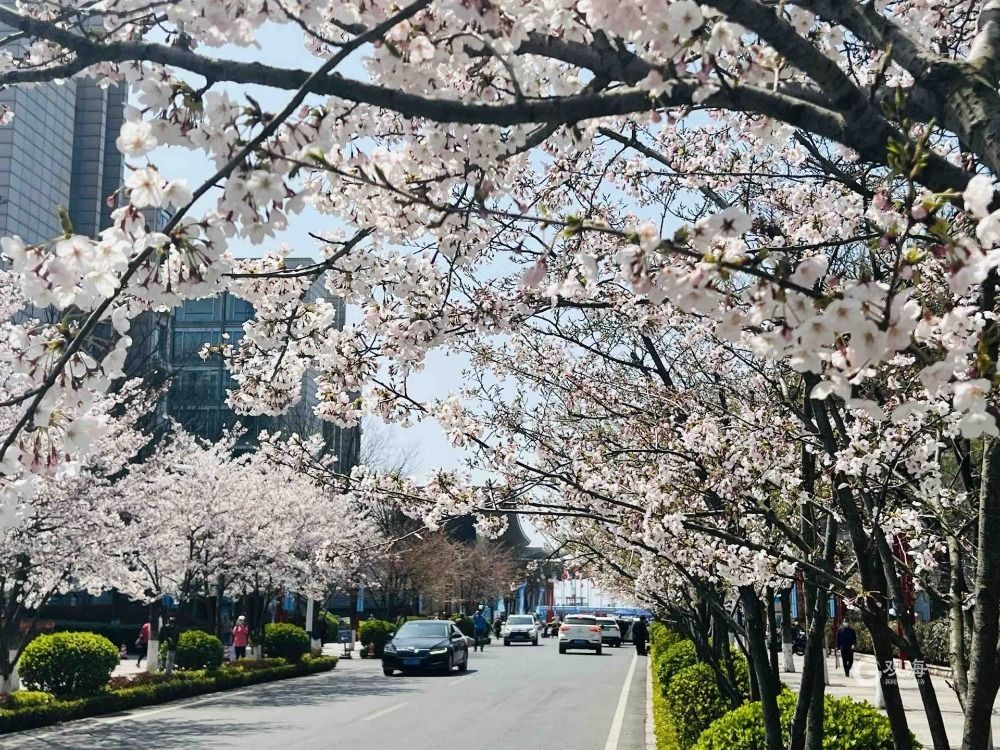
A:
[957,655]
[787,636]
[983,663]
[761,666]
[772,630]
[808,716]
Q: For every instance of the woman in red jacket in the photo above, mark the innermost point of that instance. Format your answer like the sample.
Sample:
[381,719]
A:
[241,634]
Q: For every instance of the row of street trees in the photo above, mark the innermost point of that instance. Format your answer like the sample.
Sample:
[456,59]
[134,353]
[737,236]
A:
[728,271]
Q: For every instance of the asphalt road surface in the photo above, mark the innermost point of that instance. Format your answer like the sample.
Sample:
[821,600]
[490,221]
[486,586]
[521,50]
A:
[511,697]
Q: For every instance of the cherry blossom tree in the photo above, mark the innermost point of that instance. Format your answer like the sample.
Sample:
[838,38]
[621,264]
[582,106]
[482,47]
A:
[811,181]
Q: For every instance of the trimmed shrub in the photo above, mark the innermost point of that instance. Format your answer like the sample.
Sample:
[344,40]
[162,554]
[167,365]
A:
[25,698]
[661,637]
[118,634]
[68,664]
[332,625]
[179,686]
[283,640]
[846,723]
[197,649]
[694,701]
[677,657]
[375,632]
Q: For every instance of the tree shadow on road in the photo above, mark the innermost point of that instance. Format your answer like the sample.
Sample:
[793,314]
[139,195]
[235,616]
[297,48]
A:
[164,734]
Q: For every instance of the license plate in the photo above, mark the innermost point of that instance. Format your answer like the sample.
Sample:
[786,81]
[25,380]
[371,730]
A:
[411,662]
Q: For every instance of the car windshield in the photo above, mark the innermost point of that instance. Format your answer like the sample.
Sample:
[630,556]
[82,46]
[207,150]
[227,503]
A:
[423,630]
[519,620]
[573,620]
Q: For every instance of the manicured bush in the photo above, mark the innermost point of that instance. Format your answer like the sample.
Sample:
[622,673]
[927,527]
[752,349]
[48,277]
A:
[68,664]
[283,640]
[25,698]
[661,637]
[179,686]
[375,632]
[677,657]
[256,663]
[197,649]
[118,634]
[694,701]
[332,625]
[846,724]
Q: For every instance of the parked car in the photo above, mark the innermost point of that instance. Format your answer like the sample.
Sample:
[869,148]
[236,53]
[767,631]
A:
[424,645]
[520,629]
[579,631]
[610,634]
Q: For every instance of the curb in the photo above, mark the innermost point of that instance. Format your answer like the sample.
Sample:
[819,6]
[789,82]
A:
[650,729]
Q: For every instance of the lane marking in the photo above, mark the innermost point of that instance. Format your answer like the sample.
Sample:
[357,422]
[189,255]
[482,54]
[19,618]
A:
[461,679]
[616,723]
[384,711]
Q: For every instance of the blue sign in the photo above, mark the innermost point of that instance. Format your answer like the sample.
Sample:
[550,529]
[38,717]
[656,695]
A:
[168,602]
[288,603]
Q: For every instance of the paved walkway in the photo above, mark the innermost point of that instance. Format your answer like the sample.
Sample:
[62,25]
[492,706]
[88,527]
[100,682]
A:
[861,686]
[127,668]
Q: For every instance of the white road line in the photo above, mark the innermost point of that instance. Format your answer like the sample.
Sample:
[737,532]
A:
[616,724]
[384,711]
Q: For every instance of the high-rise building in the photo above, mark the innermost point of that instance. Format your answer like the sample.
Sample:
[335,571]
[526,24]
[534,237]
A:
[59,153]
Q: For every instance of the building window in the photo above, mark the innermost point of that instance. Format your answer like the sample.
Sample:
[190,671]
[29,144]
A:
[196,387]
[187,343]
[238,310]
[200,310]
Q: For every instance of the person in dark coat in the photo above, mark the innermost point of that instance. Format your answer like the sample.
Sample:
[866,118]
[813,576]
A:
[847,640]
[640,634]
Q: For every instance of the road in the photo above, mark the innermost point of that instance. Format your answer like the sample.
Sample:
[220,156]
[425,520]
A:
[518,696]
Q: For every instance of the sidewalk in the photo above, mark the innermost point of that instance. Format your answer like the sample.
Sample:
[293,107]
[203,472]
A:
[861,686]
[126,667]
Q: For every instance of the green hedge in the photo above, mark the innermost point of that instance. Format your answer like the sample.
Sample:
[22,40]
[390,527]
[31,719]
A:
[126,633]
[676,657]
[110,701]
[694,701]
[25,698]
[68,664]
[283,640]
[197,649]
[660,639]
[846,724]
[375,632]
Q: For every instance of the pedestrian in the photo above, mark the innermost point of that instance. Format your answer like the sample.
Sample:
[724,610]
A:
[497,626]
[241,635]
[168,635]
[847,640]
[123,651]
[480,627]
[640,633]
[142,642]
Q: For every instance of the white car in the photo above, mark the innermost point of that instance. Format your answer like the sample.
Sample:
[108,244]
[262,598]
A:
[520,629]
[610,634]
[580,631]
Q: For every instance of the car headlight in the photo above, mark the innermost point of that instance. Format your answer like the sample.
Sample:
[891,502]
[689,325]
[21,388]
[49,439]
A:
[436,651]
[389,649]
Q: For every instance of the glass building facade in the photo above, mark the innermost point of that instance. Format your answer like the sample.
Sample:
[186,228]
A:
[59,152]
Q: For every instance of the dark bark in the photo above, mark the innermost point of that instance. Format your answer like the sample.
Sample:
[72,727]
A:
[772,628]
[984,669]
[760,665]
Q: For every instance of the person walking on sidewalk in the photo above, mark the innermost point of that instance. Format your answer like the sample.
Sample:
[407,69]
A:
[640,633]
[142,642]
[480,627]
[241,634]
[847,639]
